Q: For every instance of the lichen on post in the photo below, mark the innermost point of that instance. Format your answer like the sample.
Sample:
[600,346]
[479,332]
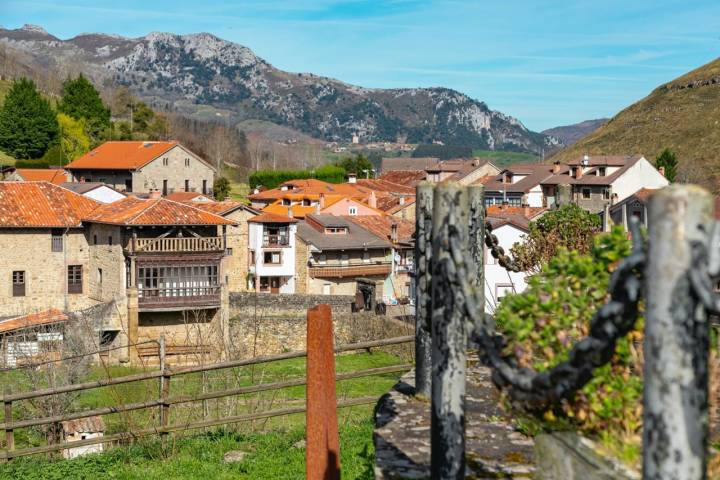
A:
[676,345]
[423,301]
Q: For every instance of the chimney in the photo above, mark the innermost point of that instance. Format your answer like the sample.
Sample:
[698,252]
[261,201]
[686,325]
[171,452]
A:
[662,171]
[290,211]
[154,194]
[372,201]
[401,201]
[352,177]
[317,208]
[586,160]
[579,170]
[394,233]
[556,167]
[526,211]
[322,201]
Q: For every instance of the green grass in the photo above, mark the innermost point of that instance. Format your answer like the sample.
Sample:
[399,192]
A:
[503,159]
[270,456]
[239,191]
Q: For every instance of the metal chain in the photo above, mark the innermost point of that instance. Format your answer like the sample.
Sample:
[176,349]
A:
[498,252]
[612,321]
[706,271]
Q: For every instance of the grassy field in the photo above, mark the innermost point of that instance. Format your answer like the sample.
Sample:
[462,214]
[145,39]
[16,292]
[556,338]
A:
[503,159]
[138,462]
[269,456]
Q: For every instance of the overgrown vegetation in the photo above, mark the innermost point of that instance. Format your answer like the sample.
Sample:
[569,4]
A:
[569,227]
[667,160]
[27,122]
[273,178]
[547,319]
[443,152]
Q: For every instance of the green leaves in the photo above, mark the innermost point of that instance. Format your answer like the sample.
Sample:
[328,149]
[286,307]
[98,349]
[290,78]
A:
[221,188]
[82,101]
[668,161]
[27,122]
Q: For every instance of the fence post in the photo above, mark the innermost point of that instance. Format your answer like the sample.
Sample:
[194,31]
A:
[164,393]
[423,299]
[449,337]
[9,434]
[676,345]
[322,448]
[476,238]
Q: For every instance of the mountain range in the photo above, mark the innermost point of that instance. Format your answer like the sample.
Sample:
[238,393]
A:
[203,76]
[570,134]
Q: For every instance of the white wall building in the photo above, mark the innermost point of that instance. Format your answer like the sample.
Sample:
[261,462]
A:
[498,281]
[271,253]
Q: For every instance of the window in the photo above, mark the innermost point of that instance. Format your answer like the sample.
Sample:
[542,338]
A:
[272,258]
[601,171]
[502,289]
[366,257]
[306,202]
[187,185]
[94,239]
[322,259]
[57,240]
[228,252]
[606,193]
[586,193]
[18,280]
[352,211]
[74,278]
[101,180]
[275,234]
[187,162]
[344,259]
[204,190]
[327,289]
[286,201]
[109,239]
[252,257]
[165,188]
[574,172]
[99,277]
[128,185]
[165,162]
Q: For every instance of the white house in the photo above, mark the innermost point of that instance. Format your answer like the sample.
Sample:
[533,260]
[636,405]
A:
[97,191]
[519,185]
[271,256]
[510,224]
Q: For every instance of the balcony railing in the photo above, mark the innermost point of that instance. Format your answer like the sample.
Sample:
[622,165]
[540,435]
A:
[276,241]
[349,270]
[179,298]
[176,244]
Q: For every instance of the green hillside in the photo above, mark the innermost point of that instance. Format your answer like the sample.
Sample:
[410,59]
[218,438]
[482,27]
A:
[683,115]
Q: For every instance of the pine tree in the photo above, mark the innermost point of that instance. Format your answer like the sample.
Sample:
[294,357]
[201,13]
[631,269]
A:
[81,100]
[668,161]
[27,122]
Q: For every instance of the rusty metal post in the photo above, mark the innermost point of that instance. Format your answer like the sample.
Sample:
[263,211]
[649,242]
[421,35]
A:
[322,451]
[449,337]
[423,299]
[675,401]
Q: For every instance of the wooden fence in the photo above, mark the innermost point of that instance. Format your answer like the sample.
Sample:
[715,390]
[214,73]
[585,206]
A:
[164,403]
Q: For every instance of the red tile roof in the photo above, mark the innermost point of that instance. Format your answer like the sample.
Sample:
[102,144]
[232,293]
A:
[381,226]
[46,317]
[52,175]
[126,155]
[499,215]
[404,177]
[312,188]
[42,205]
[222,208]
[184,196]
[155,211]
[384,185]
[267,217]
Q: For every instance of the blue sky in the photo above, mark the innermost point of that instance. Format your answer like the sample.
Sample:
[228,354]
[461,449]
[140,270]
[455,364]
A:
[546,62]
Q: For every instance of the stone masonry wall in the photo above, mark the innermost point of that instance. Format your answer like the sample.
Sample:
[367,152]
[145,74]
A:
[175,172]
[236,265]
[269,305]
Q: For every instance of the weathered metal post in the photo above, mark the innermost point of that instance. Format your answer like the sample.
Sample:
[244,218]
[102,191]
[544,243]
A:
[423,299]
[675,416]
[322,451]
[164,393]
[476,238]
[449,338]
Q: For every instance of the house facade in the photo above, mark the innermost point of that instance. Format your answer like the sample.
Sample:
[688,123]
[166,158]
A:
[143,166]
[271,253]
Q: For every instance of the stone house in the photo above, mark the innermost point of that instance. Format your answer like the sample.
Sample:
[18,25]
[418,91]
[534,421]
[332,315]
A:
[599,181]
[237,240]
[158,262]
[52,175]
[143,166]
[272,253]
[335,255]
[83,429]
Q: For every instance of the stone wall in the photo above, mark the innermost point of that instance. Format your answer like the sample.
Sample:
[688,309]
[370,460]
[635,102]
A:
[284,305]
[236,265]
[175,172]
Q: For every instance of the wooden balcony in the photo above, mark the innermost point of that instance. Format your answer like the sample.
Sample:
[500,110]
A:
[181,298]
[176,245]
[350,270]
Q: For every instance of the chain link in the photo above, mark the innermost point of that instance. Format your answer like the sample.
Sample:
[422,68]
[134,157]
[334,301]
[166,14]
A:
[612,321]
[498,252]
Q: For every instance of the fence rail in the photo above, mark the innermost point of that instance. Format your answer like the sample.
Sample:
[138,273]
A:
[165,401]
[177,244]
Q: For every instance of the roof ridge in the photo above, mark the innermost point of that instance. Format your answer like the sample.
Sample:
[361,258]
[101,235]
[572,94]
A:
[192,206]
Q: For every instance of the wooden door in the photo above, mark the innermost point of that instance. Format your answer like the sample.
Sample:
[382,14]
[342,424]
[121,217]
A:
[274,284]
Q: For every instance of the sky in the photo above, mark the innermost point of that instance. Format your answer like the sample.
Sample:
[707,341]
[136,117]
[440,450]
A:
[548,63]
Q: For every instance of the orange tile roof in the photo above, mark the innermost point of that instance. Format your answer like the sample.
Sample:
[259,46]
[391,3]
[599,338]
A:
[503,210]
[184,196]
[125,155]
[381,226]
[46,317]
[52,175]
[42,204]
[394,209]
[312,187]
[267,217]
[221,208]
[153,211]
[300,211]
[404,177]
[381,185]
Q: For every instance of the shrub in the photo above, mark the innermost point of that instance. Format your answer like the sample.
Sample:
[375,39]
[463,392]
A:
[554,312]
[273,178]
